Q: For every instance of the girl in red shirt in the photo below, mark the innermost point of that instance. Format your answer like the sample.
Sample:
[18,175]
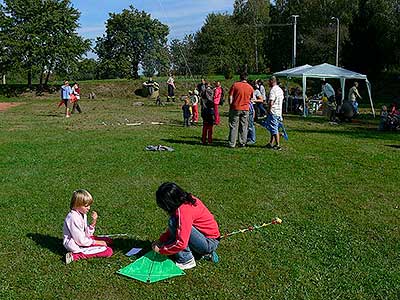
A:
[192,229]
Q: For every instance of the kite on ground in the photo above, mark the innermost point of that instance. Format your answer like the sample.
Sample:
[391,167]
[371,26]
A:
[151,267]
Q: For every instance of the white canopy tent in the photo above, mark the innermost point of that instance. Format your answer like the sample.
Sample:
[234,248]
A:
[324,71]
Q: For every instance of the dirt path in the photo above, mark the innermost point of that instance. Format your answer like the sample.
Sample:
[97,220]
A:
[6,105]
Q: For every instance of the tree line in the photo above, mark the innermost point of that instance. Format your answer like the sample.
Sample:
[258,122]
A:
[39,40]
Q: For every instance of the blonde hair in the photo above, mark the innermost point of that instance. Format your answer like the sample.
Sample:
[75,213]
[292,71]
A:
[81,198]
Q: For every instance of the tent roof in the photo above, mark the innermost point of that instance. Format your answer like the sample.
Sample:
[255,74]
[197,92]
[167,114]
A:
[293,72]
[321,71]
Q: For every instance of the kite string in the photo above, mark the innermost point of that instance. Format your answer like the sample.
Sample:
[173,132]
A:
[180,49]
[251,228]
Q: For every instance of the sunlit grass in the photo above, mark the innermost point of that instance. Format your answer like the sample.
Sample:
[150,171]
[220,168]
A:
[335,187]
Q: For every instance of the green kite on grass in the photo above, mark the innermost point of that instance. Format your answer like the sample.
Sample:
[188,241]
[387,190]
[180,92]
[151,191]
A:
[151,267]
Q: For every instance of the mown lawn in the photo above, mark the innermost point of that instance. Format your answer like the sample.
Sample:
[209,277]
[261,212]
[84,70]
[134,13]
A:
[336,188]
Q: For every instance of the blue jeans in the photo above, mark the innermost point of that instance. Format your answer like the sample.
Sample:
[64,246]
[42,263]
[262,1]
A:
[355,106]
[251,134]
[261,109]
[198,243]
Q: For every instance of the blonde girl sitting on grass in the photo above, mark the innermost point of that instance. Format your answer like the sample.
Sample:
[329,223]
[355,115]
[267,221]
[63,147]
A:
[78,235]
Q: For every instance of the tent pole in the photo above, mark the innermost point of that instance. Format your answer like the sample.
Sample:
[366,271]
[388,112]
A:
[287,93]
[370,97]
[343,86]
[304,95]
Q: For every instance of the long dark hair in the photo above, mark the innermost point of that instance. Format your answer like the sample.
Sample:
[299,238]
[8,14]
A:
[170,196]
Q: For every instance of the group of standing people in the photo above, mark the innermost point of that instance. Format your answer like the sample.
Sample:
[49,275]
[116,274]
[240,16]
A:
[209,98]
[70,95]
[242,96]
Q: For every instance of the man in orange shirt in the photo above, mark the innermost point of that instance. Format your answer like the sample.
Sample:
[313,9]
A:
[240,95]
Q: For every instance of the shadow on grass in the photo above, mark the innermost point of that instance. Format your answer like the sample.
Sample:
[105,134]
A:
[55,244]
[393,146]
[197,142]
[51,115]
[52,243]
[126,244]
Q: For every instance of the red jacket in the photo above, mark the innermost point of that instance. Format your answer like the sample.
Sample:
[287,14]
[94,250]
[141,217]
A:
[188,215]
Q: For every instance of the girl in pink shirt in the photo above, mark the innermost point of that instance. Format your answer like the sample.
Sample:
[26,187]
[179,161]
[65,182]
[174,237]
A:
[217,99]
[191,227]
[78,236]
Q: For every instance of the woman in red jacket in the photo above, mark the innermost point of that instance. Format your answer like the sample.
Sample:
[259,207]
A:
[191,227]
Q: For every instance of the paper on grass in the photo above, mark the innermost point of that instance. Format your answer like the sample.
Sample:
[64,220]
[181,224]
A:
[133,251]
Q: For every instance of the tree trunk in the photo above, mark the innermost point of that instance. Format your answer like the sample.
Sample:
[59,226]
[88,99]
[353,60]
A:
[4,78]
[46,82]
[41,80]
[30,78]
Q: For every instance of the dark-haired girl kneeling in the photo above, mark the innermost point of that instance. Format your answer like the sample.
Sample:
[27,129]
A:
[192,229]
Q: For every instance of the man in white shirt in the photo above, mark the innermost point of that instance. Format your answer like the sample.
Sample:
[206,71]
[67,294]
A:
[275,102]
[353,95]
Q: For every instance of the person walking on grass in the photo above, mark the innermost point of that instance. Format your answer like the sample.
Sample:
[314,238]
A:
[76,91]
[239,100]
[65,93]
[274,118]
[171,88]
[78,236]
[192,229]
[353,95]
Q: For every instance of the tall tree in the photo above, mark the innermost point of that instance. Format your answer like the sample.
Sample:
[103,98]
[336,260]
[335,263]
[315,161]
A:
[252,17]
[216,45]
[156,61]
[374,37]
[129,36]
[42,35]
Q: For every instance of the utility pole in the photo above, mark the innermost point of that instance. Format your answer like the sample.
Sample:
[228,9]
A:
[337,39]
[294,39]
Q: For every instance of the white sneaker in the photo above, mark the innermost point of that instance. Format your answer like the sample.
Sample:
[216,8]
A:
[186,265]
[69,258]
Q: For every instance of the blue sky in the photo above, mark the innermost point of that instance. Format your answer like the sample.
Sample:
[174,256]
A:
[182,17]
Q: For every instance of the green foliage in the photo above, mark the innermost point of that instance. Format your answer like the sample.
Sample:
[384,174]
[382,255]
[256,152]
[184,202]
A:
[87,69]
[183,57]
[41,35]
[214,46]
[374,37]
[156,61]
[130,37]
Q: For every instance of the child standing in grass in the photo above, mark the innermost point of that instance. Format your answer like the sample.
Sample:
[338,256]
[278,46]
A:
[192,229]
[65,94]
[187,112]
[78,236]
[208,115]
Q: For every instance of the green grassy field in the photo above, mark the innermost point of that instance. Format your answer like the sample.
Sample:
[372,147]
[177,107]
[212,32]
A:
[336,188]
